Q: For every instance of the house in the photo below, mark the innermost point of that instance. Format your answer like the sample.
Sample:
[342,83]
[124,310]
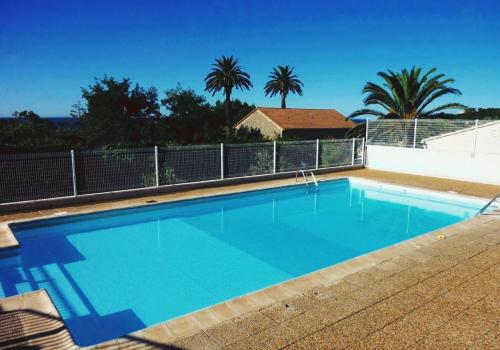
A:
[464,140]
[297,122]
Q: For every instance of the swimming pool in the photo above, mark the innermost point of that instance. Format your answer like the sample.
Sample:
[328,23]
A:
[115,272]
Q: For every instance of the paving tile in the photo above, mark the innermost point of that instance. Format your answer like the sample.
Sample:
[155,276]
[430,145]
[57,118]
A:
[275,337]
[159,334]
[183,326]
[380,340]
[426,318]
[242,305]
[304,324]
[339,288]
[206,318]
[304,302]
[490,340]
[474,322]
[281,311]
[488,307]
[466,293]
[279,292]
[326,339]
[361,278]
[391,266]
[375,292]
[335,309]
[226,333]
[223,311]
[254,322]
[451,336]
[409,300]
[199,341]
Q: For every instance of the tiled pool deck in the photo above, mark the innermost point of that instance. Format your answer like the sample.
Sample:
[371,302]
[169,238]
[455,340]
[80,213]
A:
[426,293]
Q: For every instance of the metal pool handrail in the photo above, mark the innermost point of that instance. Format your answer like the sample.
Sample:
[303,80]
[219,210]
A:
[305,178]
[303,174]
[487,205]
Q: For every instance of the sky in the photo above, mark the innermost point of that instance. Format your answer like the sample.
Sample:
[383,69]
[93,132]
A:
[50,49]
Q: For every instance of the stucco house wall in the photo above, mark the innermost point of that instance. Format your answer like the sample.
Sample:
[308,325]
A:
[258,120]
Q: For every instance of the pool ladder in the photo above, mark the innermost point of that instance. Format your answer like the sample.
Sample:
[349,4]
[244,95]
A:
[304,175]
[489,204]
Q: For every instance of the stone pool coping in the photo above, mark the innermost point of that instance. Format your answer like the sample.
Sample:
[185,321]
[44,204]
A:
[200,322]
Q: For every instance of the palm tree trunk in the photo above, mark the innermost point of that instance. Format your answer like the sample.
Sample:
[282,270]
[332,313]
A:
[283,101]
[227,108]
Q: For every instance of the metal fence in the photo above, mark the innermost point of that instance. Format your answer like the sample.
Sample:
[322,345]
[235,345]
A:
[482,136]
[35,176]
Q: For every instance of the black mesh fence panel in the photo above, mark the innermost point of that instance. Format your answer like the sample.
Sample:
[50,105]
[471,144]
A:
[35,176]
[359,152]
[248,159]
[115,169]
[333,153]
[391,132]
[49,175]
[189,164]
[295,155]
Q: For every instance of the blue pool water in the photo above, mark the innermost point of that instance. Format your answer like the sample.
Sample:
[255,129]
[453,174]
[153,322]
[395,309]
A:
[119,271]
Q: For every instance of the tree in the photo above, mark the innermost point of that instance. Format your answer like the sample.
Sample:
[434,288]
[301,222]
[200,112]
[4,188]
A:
[184,103]
[283,81]
[26,116]
[28,132]
[225,75]
[114,112]
[408,94]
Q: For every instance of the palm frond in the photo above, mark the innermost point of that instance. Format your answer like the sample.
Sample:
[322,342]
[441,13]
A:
[407,94]
[283,81]
[366,111]
[227,74]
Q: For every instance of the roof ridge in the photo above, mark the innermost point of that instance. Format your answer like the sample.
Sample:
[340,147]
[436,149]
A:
[299,108]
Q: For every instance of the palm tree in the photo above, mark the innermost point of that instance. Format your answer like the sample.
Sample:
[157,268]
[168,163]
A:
[283,81]
[407,95]
[225,75]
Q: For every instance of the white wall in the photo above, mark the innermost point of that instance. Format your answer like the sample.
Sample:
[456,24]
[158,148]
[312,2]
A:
[488,140]
[481,167]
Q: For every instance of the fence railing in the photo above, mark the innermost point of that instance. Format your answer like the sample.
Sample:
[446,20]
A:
[39,176]
[482,136]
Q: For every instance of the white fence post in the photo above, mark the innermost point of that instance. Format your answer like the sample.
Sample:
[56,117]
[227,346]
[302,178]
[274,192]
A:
[415,134]
[353,149]
[222,161]
[363,150]
[73,172]
[366,132]
[317,154]
[274,157]
[475,138]
[157,174]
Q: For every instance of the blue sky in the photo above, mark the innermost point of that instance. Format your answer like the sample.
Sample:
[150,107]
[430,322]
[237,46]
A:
[50,49]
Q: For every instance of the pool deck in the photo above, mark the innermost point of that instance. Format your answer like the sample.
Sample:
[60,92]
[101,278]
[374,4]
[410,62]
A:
[439,290]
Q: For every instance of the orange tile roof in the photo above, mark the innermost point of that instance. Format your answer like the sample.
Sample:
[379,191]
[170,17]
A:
[301,118]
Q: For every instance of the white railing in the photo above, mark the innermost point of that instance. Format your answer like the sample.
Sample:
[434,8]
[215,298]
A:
[474,136]
[42,176]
